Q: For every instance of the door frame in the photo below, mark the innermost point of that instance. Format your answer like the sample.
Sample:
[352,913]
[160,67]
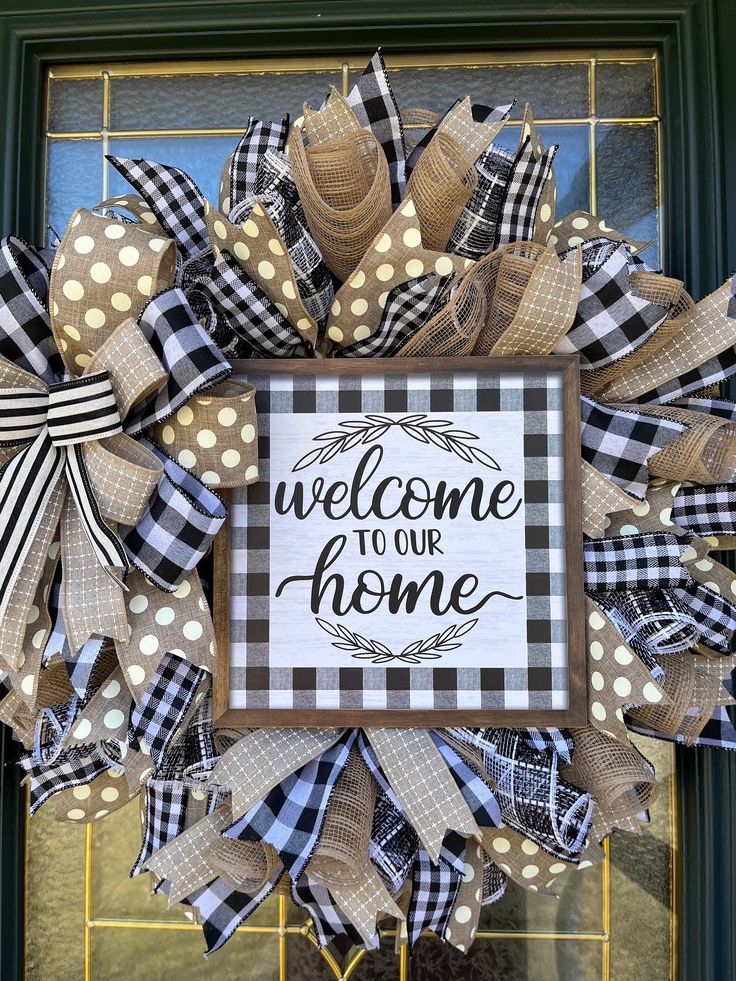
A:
[695,38]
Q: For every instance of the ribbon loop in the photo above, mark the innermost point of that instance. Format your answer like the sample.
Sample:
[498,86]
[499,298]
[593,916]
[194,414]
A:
[82,409]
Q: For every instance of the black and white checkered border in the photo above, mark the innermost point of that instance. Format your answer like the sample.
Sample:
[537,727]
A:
[542,684]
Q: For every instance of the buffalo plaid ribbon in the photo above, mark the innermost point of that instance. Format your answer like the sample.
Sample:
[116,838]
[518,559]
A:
[329,920]
[434,890]
[706,510]
[476,230]
[156,719]
[71,768]
[393,843]
[260,136]
[648,561]
[523,191]
[222,909]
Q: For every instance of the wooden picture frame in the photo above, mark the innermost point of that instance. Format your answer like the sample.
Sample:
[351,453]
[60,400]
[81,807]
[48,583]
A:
[527,399]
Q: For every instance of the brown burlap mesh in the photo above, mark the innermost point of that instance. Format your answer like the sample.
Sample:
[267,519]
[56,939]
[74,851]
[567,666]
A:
[440,186]
[244,865]
[596,382]
[345,189]
[54,686]
[656,288]
[694,688]
[452,331]
[617,776]
[415,123]
[514,265]
[342,853]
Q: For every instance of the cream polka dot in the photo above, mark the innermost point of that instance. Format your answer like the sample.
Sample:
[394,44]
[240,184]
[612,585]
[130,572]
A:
[384,243]
[596,650]
[81,793]
[227,416]
[463,914]
[622,687]
[501,845]
[258,210]
[414,268]
[148,644]
[629,530]
[545,213]
[241,251]
[705,565]
[574,240]
[55,308]
[185,416]
[94,318]
[206,439]
[382,299]
[184,590]
[128,255]
[529,847]
[136,674]
[82,729]
[156,244]
[358,280]
[336,308]
[468,872]
[557,868]
[412,238]
[73,290]
[210,477]
[61,262]
[596,621]
[82,360]
[530,871]
[623,655]
[111,689]
[251,473]
[266,269]
[335,334]
[187,459]
[84,244]
[33,614]
[303,324]
[138,604]
[384,272]
[198,794]
[275,246]
[598,711]
[665,517]
[689,554]
[651,692]
[250,228]
[168,435]
[361,332]
[72,332]
[597,681]
[585,864]
[443,266]
[248,433]
[230,459]
[145,285]
[359,307]
[288,290]
[580,222]
[26,685]
[220,230]
[120,301]
[115,231]
[192,630]
[148,217]
[165,616]
[110,794]
[76,814]
[114,719]
[281,309]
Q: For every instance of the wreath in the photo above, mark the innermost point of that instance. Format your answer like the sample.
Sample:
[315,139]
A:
[343,236]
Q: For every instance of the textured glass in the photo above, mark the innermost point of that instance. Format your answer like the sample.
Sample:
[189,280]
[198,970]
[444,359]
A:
[202,157]
[508,960]
[74,179]
[627,182]
[213,101]
[75,105]
[625,89]
[54,899]
[553,90]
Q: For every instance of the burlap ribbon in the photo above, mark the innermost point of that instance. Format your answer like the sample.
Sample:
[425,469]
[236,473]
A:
[429,796]
[522,860]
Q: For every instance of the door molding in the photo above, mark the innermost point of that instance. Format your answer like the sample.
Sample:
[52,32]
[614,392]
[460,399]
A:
[696,39]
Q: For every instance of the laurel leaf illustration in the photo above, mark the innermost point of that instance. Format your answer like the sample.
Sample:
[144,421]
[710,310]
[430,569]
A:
[465,628]
[307,459]
[482,457]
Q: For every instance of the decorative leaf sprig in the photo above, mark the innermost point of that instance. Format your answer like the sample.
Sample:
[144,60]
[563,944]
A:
[360,432]
[366,649]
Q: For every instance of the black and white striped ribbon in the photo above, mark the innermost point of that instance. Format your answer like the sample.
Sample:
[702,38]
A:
[54,425]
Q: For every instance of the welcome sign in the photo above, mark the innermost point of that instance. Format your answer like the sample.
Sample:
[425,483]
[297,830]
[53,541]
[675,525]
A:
[411,552]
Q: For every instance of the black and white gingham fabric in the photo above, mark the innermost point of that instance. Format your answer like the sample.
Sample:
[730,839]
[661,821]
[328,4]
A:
[260,135]
[476,792]
[610,321]
[222,909]
[329,920]
[163,706]
[722,408]
[652,622]
[177,528]
[393,843]
[476,230]
[191,359]
[706,510]
[481,114]
[25,332]
[648,561]
[434,890]
[71,768]
[164,812]
[533,797]
[408,307]
[291,816]
[173,197]
[558,740]
[619,442]
[376,109]
[240,304]
[714,614]
[524,189]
